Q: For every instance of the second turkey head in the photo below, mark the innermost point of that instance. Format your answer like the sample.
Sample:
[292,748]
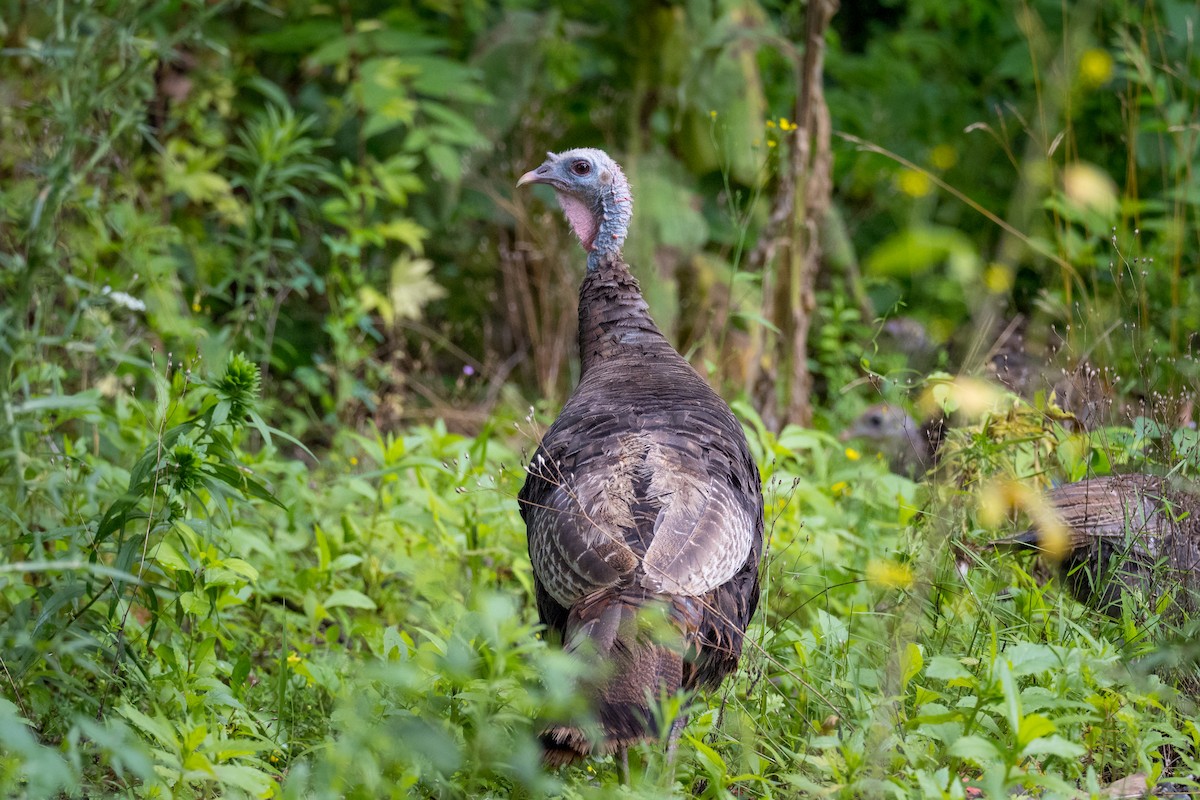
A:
[911,448]
[594,195]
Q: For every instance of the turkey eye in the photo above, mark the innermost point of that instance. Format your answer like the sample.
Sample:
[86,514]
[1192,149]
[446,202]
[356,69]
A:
[875,420]
[581,168]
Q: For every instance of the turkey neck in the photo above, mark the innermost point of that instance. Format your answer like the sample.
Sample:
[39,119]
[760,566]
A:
[611,214]
[614,320]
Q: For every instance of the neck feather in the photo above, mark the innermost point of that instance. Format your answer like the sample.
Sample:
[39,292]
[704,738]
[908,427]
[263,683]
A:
[614,320]
[601,222]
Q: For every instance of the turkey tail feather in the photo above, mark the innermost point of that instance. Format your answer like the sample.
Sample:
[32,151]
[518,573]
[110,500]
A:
[640,661]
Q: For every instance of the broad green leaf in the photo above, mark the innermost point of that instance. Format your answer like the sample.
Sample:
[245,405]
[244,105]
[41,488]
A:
[1053,746]
[1031,658]
[916,250]
[350,598]
[949,669]
[1011,692]
[911,662]
[1033,726]
[976,749]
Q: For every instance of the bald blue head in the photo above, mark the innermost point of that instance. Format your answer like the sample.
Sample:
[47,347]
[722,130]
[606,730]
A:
[594,195]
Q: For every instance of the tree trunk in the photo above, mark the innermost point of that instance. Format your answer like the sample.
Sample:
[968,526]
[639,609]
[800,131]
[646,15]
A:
[791,243]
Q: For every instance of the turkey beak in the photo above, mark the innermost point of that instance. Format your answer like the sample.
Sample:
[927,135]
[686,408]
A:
[539,175]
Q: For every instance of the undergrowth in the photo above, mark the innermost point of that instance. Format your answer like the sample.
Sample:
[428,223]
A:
[363,627]
[255,575]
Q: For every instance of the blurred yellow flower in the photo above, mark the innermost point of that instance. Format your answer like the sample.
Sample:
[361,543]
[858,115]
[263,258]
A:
[1095,68]
[840,488]
[771,143]
[713,113]
[853,454]
[770,123]
[1091,187]
[998,278]
[944,156]
[787,125]
[353,461]
[890,574]
[971,396]
[999,498]
[914,183]
[293,659]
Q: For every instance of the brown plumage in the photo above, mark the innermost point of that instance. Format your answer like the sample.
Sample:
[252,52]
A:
[1126,533]
[643,504]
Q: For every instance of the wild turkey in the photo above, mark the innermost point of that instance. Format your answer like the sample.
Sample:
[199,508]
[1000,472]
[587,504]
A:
[911,448]
[643,499]
[1125,533]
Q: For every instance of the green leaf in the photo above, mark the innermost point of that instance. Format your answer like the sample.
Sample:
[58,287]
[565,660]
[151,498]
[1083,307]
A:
[237,479]
[1033,726]
[711,758]
[1031,658]
[345,561]
[446,160]
[156,729]
[411,287]
[300,37]
[975,748]
[350,598]
[194,603]
[57,403]
[1053,746]
[915,250]
[945,668]
[253,782]
[911,663]
[1010,691]
[240,567]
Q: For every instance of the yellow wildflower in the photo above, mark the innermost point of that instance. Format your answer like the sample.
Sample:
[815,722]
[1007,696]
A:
[293,658]
[853,454]
[1095,68]
[840,488]
[998,278]
[914,183]
[998,498]
[944,156]
[889,574]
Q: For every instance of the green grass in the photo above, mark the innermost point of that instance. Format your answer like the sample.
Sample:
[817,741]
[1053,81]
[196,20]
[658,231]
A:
[373,635]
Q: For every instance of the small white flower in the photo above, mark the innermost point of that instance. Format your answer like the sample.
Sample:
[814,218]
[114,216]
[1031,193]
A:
[124,299]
